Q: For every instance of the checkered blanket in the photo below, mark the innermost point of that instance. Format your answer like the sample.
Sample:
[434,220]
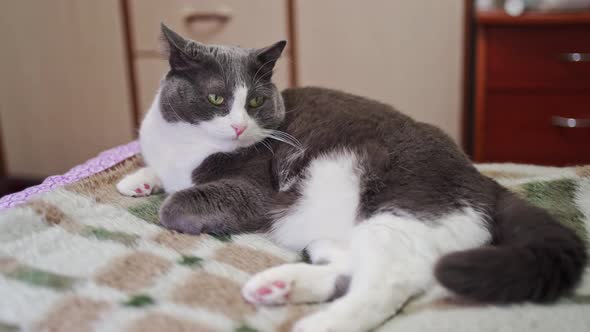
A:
[84,258]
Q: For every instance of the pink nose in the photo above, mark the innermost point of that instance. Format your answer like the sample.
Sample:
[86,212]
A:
[239,129]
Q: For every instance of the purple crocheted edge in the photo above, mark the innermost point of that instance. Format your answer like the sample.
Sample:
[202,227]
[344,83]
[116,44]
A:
[97,164]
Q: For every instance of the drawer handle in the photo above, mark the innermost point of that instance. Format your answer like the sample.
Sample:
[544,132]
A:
[575,57]
[220,16]
[559,121]
[204,24]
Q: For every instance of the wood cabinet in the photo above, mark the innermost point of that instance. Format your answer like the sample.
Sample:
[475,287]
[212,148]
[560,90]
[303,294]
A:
[533,88]
[64,93]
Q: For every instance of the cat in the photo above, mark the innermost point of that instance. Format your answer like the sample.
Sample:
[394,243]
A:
[386,207]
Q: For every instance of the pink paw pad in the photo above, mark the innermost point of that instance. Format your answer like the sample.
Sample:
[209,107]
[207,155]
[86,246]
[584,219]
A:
[263,291]
[138,190]
[280,284]
[146,186]
[275,292]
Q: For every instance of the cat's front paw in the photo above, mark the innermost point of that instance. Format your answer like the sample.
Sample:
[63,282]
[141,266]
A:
[142,182]
[175,214]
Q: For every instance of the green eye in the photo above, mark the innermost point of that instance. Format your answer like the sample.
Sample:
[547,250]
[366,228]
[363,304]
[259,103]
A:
[256,102]
[215,99]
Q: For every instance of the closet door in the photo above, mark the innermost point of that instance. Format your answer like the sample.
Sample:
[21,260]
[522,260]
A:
[407,53]
[64,93]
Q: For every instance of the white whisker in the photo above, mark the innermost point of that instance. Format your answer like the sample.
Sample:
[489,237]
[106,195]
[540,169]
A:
[287,141]
[285,136]
[268,146]
[173,110]
[262,66]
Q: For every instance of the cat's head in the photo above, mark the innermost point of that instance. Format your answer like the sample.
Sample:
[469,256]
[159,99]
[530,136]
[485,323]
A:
[225,91]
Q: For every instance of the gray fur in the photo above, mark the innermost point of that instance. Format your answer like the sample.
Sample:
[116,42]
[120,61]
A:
[197,70]
[232,194]
[340,286]
[434,179]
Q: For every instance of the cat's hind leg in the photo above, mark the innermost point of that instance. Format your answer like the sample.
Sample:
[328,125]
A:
[142,182]
[392,260]
[385,274]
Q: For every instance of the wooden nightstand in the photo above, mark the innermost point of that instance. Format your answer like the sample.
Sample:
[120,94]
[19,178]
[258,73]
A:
[532,94]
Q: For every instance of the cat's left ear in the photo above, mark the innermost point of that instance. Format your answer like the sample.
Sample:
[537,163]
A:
[181,53]
[267,57]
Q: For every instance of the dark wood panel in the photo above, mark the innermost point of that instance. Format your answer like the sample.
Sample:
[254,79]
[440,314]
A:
[536,57]
[480,91]
[518,128]
[532,19]
[467,83]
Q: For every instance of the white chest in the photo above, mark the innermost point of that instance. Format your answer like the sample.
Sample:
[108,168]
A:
[173,164]
[174,150]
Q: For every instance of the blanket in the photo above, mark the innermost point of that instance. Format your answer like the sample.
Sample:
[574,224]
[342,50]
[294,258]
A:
[84,258]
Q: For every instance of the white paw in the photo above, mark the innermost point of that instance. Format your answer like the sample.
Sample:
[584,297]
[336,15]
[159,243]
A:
[141,183]
[268,289]
[291,283]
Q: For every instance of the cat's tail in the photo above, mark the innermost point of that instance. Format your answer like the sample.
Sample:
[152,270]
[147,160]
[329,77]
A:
[532,258]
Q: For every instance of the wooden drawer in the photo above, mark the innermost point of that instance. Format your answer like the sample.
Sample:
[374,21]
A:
[252,23]
[534,57]
[518,128]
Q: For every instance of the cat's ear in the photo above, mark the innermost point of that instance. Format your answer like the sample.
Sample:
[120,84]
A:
[173,46]
[267,57]
[180,52]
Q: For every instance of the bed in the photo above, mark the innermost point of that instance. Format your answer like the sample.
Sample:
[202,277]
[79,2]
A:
[75,255]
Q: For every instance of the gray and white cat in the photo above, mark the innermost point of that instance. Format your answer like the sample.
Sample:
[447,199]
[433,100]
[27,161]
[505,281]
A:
[386,207]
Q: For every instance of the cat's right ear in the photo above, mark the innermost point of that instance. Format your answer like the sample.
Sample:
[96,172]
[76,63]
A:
[174,48]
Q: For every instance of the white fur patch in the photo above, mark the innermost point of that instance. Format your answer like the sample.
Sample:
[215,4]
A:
[328,206]
[237,113]
[392,260]
[175,149]
[220,127]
